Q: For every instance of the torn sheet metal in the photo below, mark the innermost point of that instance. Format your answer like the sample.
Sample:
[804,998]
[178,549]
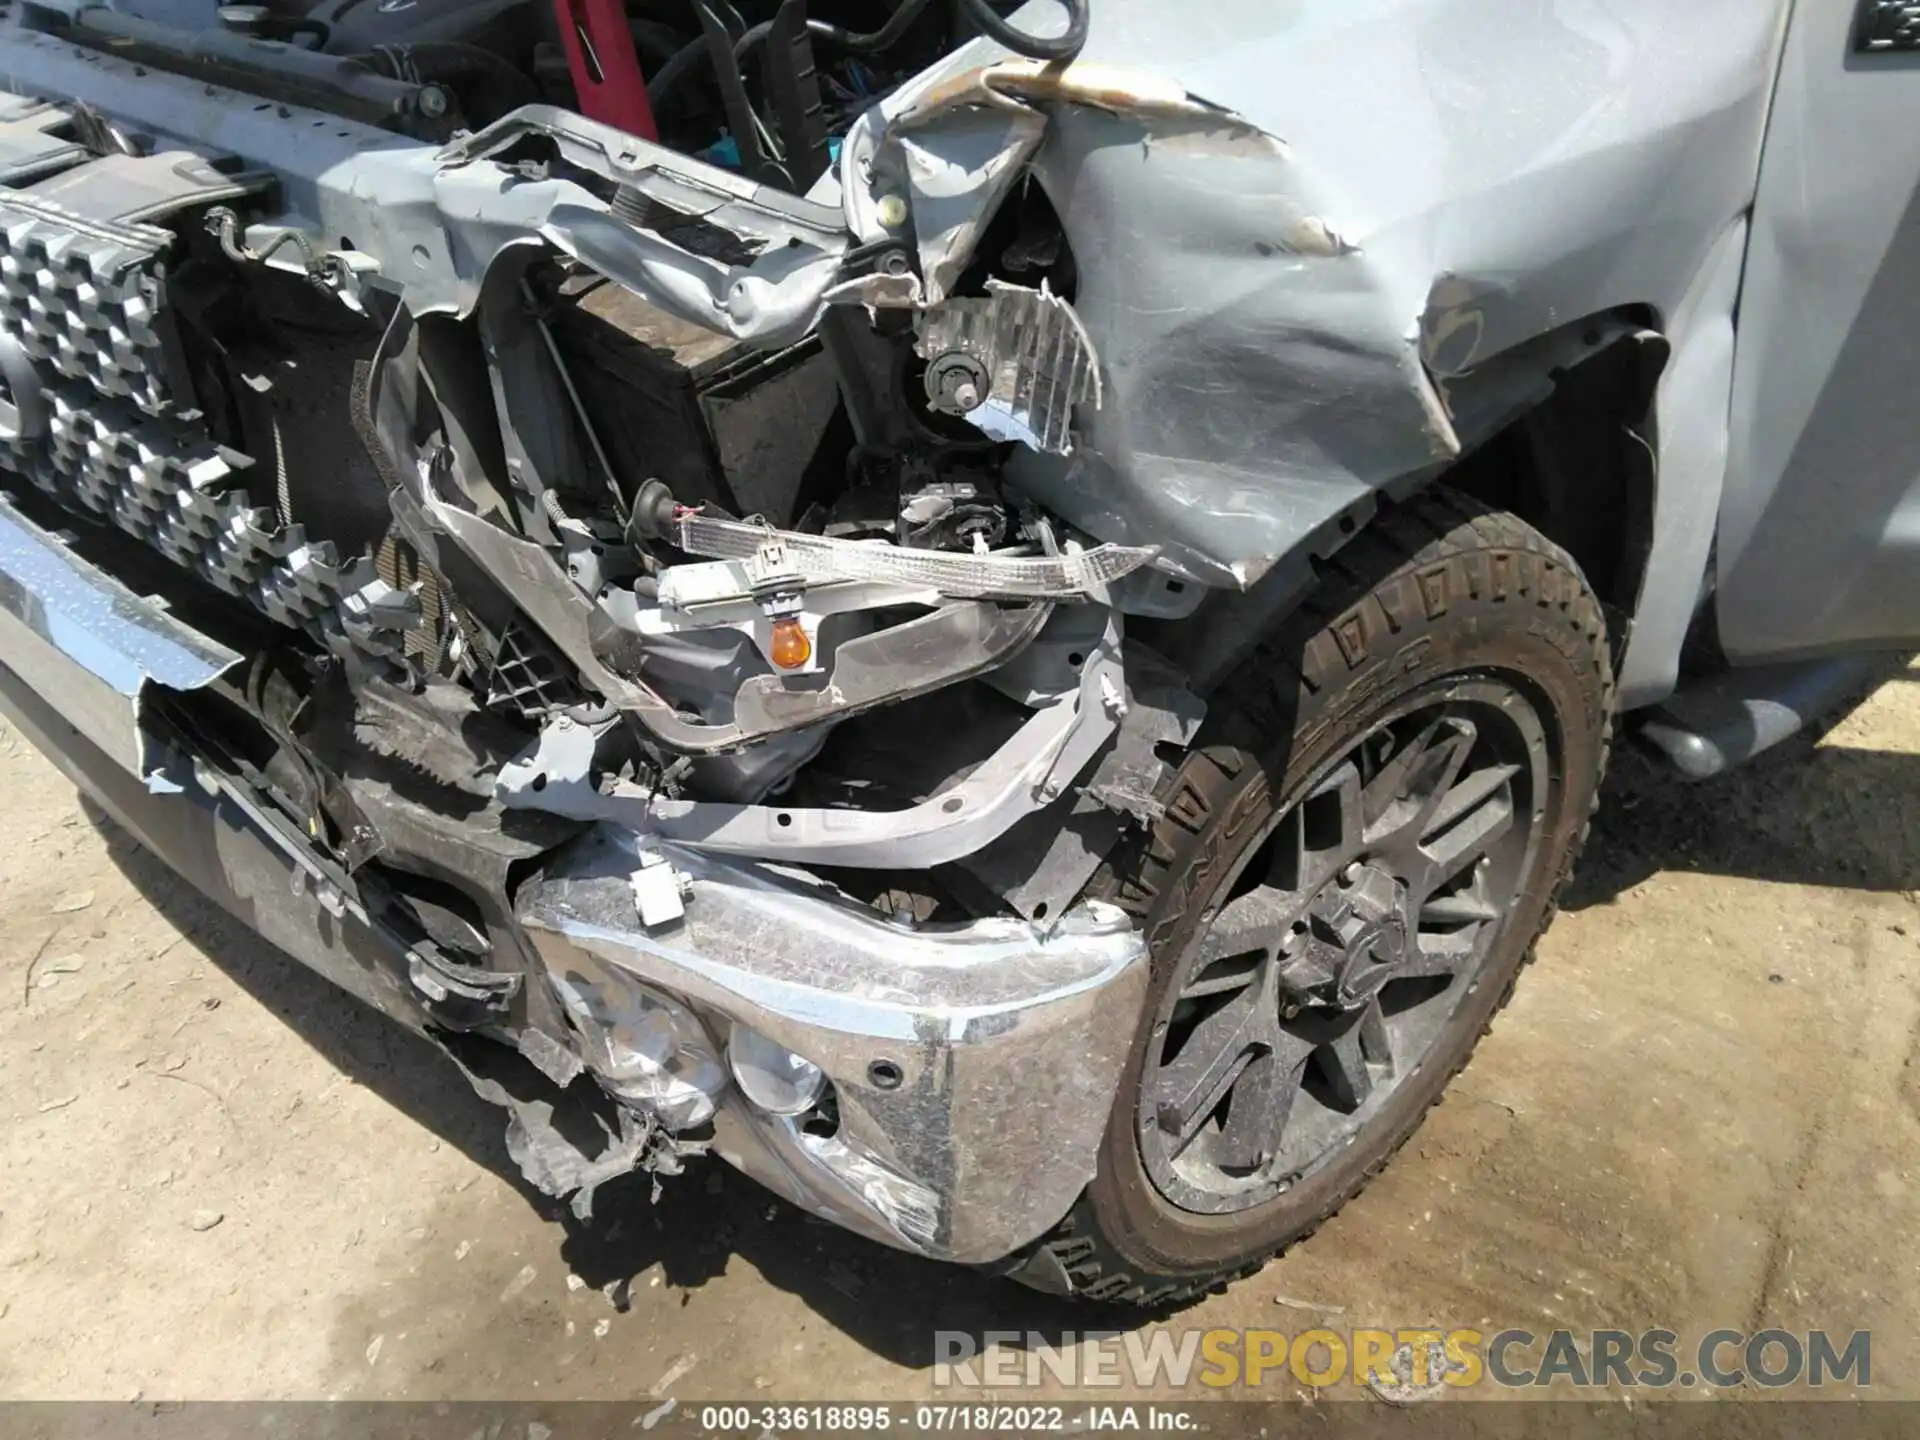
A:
[1040,866]
[950,644]
[774,301]
[935,1038]
[1016,363]
[1257,380]
[957,186]
[841,1179]
[953,142]
[647,1052]
[429,223]
[1034,767]
[952,186]
[964,85]
[773,298]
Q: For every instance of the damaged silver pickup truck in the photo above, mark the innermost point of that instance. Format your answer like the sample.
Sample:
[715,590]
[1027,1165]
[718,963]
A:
[1008,622]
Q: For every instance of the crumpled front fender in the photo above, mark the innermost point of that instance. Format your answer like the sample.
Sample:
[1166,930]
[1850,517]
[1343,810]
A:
[1305,233]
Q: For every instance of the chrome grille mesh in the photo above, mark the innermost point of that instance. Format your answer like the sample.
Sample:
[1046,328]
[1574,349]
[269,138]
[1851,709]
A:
[80,296]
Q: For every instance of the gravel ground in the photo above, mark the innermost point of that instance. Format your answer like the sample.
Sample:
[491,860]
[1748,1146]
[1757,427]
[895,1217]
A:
[221,1178]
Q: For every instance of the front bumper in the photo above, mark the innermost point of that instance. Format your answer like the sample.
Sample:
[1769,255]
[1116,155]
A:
[974,1066]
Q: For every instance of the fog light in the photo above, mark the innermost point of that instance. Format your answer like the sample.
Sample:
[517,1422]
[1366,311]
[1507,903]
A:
[772,1076]
[645,1050]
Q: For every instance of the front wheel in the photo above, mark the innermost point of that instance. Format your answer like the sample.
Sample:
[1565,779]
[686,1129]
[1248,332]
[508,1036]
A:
[1352,868]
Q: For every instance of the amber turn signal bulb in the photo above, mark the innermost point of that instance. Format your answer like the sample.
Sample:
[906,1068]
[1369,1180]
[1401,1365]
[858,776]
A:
[790,649]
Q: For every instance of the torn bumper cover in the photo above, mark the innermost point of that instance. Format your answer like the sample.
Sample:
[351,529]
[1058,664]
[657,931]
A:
[82,641]
[970,1068]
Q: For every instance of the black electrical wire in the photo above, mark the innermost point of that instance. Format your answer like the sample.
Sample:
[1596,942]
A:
[729,15]
[677,69]
[1021,42]
[667,78]
[867,44]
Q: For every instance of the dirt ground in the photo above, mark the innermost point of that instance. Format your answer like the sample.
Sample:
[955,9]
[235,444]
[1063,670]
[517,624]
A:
[221,1178]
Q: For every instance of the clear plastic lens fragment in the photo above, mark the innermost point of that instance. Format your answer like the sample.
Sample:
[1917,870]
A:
[646,1050]
[772,1076]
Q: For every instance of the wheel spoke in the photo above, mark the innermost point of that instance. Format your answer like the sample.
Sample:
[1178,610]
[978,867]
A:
[1387,793]
[1438,954]
[1256,921]
[1325,847]
[1223,977]
[1463,907]
[1262,1102]
[1462,796]
[1343,1061]
[1376,1043]
[1401,798]
[1464,832]
[1210,1060]
[1287,860]
[1446,952]
[1345,783]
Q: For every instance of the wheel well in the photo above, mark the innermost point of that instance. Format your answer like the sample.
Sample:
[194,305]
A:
[1579,467]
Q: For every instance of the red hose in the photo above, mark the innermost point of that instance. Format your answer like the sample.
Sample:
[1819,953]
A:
[605,66]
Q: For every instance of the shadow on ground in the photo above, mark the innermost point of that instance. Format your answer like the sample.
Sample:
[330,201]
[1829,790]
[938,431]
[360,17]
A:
[1803,815]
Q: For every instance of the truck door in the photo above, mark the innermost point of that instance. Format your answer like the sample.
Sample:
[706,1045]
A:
[1819,543]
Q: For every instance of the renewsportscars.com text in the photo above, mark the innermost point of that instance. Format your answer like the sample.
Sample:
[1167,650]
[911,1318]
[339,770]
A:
[1413,1359]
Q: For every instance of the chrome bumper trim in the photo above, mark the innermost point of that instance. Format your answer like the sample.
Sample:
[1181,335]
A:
[997,1047]
[88,645]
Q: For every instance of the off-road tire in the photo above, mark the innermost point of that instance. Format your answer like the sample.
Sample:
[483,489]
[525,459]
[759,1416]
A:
[1437,587]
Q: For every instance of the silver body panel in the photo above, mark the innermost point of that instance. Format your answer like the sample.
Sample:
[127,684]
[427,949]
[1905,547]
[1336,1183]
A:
[1293,326]
[1007,1039]
[1294,306]
[1820,532]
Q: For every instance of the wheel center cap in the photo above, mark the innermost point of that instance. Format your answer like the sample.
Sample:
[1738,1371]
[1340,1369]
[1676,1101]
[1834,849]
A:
[1363,911]
[1373,954]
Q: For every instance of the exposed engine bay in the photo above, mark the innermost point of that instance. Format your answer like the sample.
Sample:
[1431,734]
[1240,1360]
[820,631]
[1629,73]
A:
[684,557]
[583,484]
[766,88]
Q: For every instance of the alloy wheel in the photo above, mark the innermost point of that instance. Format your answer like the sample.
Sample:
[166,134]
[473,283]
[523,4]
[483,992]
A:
[1341,945]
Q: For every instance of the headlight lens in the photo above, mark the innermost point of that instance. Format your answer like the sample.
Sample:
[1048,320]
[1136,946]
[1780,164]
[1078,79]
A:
[772,1076]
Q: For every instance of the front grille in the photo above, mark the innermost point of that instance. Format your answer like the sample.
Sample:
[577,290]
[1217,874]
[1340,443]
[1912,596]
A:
[82,293]
[84,304]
